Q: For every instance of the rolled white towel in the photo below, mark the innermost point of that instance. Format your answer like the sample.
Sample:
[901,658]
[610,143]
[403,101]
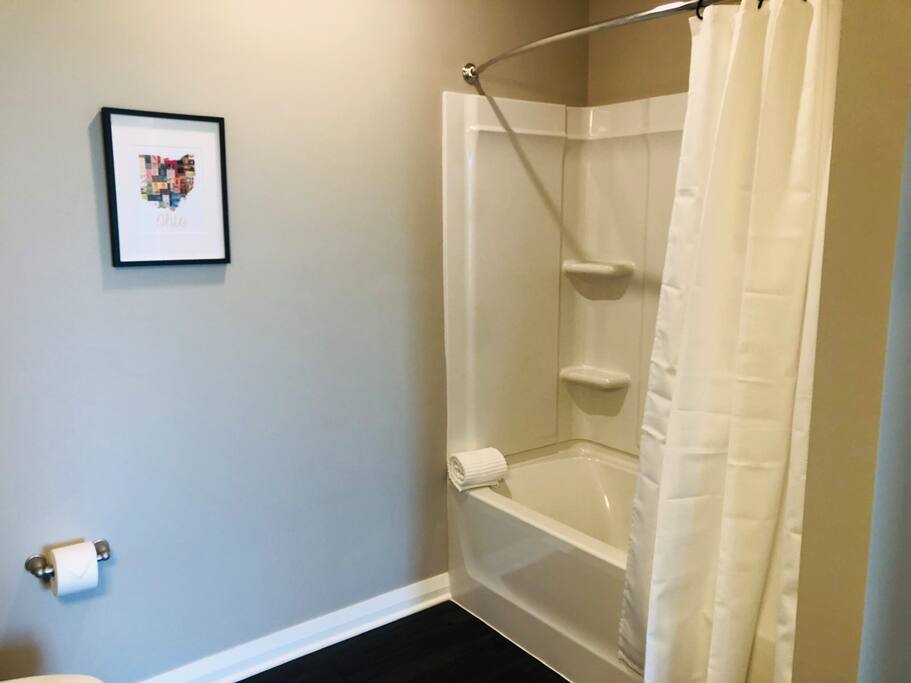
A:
[473,469]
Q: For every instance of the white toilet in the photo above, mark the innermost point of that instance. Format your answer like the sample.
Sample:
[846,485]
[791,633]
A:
[65,678]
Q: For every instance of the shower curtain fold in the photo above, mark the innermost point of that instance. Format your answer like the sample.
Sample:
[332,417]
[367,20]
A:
[715,538]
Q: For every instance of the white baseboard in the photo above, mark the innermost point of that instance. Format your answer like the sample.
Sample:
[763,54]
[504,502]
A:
[247,659]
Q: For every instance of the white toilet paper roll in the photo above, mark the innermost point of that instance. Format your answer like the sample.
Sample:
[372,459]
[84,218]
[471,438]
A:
[75,568]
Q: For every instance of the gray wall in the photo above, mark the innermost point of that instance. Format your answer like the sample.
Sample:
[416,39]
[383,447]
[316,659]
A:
[263,442]
[884,653]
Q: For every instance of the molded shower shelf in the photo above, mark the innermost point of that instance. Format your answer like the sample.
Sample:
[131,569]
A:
[593,269]
[595,378]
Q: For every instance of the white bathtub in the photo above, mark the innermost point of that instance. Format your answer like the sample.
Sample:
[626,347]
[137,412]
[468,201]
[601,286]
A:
[541,557]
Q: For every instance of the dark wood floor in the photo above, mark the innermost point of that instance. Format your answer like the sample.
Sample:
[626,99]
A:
[441,644]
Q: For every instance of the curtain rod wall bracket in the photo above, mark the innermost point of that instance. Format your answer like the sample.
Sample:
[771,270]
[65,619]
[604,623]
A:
[470,73]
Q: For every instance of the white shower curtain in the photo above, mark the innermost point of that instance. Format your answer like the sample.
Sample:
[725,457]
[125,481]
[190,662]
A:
[715,542]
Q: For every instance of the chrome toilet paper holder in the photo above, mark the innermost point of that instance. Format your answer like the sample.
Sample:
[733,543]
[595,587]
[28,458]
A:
[39,567]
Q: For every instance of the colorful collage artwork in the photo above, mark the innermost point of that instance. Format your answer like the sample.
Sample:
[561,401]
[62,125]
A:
[166,181]
[173,207]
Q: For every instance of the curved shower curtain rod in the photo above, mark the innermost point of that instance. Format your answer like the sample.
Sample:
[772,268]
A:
[471,73]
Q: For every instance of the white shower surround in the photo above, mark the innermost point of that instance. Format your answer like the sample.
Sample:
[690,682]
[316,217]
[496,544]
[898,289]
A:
[602,192]
[555,235]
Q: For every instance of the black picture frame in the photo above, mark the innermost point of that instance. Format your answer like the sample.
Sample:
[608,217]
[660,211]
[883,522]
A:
[118,262]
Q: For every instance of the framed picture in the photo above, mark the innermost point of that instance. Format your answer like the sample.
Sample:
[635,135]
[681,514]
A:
[167,188]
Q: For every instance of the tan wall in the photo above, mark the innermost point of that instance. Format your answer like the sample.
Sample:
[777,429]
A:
[278,422]
[643,60]
[874,84]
